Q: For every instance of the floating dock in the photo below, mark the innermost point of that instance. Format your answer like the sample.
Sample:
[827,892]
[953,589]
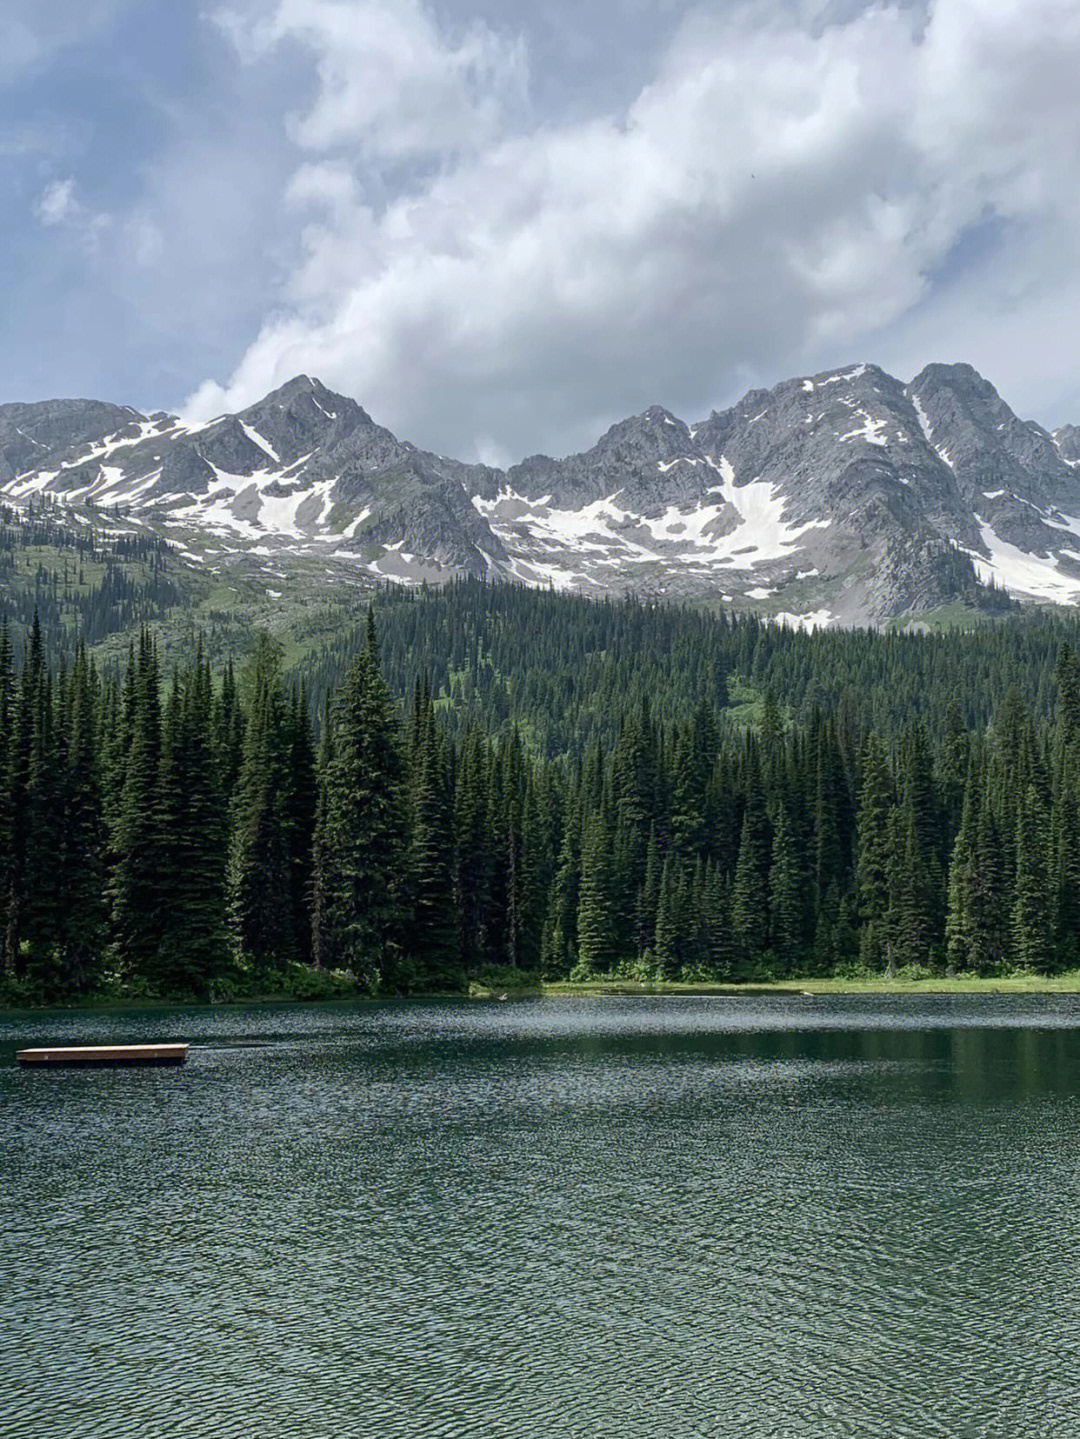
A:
[106,1054]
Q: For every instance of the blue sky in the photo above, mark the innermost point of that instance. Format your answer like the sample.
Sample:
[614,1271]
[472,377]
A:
[502,227]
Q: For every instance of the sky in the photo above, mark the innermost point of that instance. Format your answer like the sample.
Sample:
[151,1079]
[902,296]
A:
[502,226]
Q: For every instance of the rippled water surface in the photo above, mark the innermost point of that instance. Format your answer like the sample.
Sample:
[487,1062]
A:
[670,1217]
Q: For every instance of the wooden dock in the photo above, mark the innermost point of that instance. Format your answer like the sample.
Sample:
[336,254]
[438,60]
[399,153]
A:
[106,1054]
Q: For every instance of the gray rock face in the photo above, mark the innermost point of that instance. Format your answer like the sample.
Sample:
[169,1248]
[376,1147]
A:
[626,460]
[1067,439]
[844,497]
[1008,471]
[34,436]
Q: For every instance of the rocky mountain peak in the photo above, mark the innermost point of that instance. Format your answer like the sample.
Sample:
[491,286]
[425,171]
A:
[995,456]
[299,418]
[836,498]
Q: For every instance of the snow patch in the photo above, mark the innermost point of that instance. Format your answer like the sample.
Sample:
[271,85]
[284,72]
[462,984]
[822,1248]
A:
[257,439]
[1021,573]
[870,430]
[813,620]
[924,419]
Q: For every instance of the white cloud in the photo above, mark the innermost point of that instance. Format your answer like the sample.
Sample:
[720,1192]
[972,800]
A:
[389,82]
[777,195]
[58,204]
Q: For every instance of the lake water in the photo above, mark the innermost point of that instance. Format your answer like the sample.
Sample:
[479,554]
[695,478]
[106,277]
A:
[614,1217]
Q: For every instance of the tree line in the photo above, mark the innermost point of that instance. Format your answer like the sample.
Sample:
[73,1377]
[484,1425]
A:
[186,835]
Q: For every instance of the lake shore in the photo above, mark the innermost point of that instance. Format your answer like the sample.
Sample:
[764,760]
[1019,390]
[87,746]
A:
[1068,983]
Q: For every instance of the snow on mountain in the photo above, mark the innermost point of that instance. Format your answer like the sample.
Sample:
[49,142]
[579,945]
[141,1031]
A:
[844,497]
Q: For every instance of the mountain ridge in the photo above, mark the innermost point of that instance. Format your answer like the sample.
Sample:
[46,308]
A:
[846,497]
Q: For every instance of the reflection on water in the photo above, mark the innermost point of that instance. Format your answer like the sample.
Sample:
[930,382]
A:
[759,1217]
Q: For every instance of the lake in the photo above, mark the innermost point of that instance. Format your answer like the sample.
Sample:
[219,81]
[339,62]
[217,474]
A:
[767,1216]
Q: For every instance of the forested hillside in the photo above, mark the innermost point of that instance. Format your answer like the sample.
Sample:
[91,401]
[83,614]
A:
[564,790]
[81,583]
[568,671]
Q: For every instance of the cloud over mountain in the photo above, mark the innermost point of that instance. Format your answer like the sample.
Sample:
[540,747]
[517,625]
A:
[779,189]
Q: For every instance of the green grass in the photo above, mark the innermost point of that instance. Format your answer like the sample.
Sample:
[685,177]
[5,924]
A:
[944,984]
[878,984]
[957,615]
[746,703]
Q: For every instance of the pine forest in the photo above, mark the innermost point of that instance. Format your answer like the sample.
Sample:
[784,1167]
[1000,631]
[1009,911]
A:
[490,784]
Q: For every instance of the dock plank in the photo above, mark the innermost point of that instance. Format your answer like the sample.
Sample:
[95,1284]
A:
[105,1054]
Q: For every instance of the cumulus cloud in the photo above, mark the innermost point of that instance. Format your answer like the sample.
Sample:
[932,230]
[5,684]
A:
[389,81]
[780,193]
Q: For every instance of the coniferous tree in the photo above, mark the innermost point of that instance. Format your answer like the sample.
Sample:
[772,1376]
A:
[750,892]
[300,821]
[1032,905]
[470,848]
[562,949]
[787,889]
[323,876]
[193,949]
[83,914]
[365,824]
[42,900]
[260,872]
[962,940]
[138,899]
[434,941]
[669,921]
[648,900]
[595,919]
[873,861]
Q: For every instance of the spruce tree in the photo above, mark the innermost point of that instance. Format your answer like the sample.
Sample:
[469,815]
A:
[138,896]
[434,942]
[471,853]
[787,890]
[260,869]
[669,921]
[83,914]
[193,951]
[750,892]
[365,809]
[595,920]
[1033,902]
[562,950]
[872,864]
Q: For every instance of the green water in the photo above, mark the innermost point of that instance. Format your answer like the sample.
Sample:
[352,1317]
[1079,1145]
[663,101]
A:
[615,1217]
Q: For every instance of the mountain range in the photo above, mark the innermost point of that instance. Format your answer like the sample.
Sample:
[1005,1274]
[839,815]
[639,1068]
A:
[847,497]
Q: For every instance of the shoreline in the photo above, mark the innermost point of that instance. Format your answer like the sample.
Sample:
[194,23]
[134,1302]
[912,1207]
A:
[1068,983]
[1018,984]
